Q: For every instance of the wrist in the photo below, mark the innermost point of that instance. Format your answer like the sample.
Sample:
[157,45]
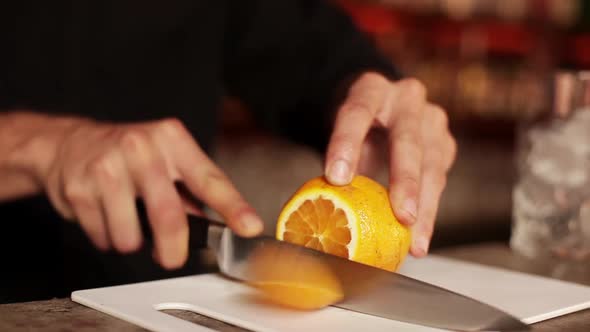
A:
[32,141]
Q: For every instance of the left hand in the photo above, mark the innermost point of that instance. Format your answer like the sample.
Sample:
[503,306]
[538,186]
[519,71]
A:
[421,148]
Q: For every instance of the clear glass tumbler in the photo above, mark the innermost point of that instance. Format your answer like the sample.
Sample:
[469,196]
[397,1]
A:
[551,197]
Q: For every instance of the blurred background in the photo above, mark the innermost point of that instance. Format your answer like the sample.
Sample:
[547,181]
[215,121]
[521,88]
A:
[489,63]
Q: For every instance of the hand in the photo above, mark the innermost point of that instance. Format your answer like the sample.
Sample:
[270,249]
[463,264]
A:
[98,170]
[421,148]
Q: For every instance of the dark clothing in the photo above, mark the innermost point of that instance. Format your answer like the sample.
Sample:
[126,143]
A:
[136,60]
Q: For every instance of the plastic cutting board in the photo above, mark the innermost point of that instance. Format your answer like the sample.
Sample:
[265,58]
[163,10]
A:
[528,297]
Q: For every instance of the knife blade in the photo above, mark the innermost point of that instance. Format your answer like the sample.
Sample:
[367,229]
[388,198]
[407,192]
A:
[367,290]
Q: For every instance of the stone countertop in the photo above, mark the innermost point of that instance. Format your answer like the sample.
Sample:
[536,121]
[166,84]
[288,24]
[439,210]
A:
[64,315]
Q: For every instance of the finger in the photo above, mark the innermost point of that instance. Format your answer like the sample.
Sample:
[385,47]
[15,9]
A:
[191,208]
[406,149]
[433,183]
[207,182]
[118,200]
[375,154]
[190,203]
[56,183]
[452,148]
[85,205]
[353,121]
[164,208]
[439,153]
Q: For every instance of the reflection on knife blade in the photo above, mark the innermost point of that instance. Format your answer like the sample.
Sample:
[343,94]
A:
[298,281]
[366,289]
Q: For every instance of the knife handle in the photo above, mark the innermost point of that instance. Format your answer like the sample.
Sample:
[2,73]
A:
[198,228]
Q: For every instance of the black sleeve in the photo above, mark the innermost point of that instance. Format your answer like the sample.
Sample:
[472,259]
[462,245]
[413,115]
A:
[286,59]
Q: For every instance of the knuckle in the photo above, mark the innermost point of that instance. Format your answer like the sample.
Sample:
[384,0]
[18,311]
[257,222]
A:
[440,117]
[453,147]
[414,87]
[103,168]
[133,140]
[172,126]
[357,108]
[408,179]
[371,75]
[212,179]
[57,196]
[440,181]
[77,196]
[72,192]
[342,145]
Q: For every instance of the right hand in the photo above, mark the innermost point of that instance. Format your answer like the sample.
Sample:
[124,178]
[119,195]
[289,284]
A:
[98,169]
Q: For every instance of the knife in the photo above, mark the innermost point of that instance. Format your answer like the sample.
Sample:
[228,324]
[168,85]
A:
[366,289]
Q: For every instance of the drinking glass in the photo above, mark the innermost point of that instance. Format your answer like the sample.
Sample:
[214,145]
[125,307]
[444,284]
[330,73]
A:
[551,196]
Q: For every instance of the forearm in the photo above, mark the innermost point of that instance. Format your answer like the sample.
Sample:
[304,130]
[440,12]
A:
[28,143]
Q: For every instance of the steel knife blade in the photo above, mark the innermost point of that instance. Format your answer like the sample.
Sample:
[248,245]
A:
[367,290]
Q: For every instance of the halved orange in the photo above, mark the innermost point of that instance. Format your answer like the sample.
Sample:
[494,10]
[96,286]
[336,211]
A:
[354,221]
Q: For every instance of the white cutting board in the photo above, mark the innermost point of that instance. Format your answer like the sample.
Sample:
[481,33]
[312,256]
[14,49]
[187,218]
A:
[530,298]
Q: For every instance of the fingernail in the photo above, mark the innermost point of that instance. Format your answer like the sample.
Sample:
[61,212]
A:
[422,244]
[251,225]
[339,173]
[410,207]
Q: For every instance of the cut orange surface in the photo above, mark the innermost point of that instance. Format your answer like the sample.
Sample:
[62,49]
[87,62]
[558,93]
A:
[319,225]
[293,280]
[355,221]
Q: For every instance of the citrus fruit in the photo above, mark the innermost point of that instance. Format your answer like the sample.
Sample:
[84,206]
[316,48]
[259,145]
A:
[354,221]
[297,281]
